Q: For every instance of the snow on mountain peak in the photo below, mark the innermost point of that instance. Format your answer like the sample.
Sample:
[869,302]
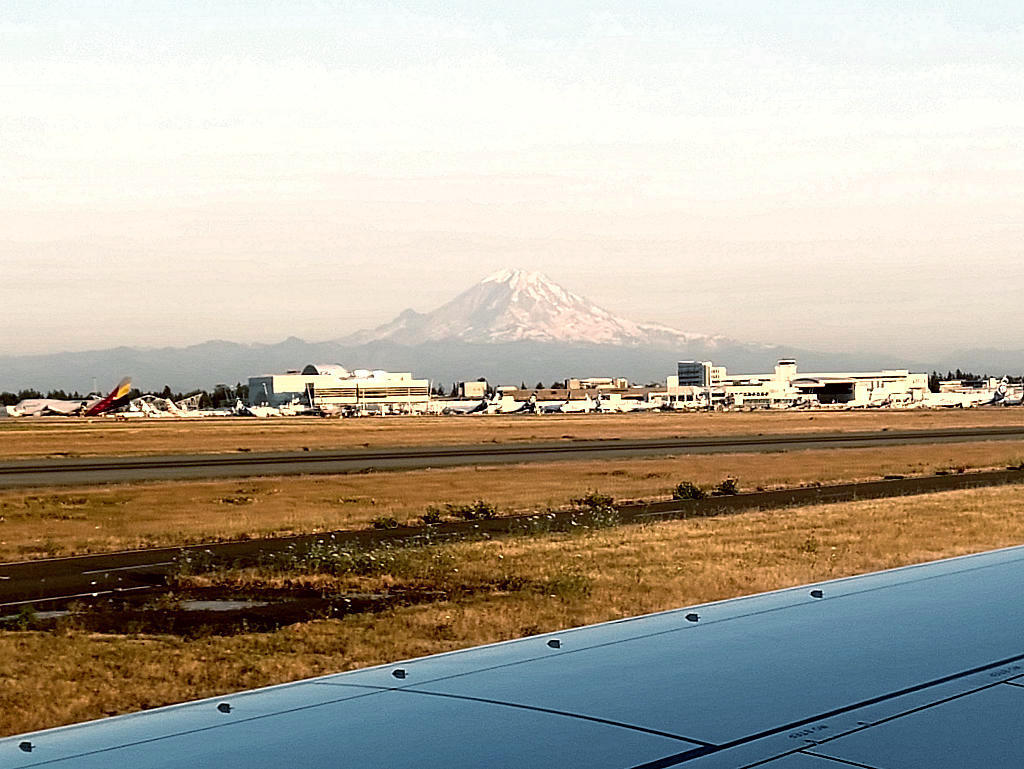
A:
[534,285]
[507,275]
[514,305]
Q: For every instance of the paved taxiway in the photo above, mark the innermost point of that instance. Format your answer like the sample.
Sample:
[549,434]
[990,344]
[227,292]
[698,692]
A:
[58,472]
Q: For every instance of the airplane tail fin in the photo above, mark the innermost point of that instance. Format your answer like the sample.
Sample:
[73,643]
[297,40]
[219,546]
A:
[118,397]
[1002,390]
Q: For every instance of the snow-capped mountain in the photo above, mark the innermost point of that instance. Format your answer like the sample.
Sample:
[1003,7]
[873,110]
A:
[519,306]
[512,326]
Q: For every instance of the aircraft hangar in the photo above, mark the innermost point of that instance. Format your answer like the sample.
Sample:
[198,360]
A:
[786,386]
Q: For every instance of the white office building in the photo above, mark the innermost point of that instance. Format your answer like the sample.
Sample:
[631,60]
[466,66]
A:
[700,382]
[331,386]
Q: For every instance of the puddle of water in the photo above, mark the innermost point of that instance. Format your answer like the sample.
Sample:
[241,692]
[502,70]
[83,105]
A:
[37,615]
[221,605]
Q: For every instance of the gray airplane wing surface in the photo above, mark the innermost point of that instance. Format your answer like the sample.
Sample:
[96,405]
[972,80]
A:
[921,666]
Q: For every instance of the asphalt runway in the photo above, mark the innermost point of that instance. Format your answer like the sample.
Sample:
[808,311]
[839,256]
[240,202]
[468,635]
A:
[98,470]
[55,582]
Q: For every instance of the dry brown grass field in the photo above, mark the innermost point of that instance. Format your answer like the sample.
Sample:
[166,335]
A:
[48,522]
[28,438]
[51,678]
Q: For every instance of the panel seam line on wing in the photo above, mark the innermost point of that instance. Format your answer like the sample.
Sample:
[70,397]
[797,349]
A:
[567,714]
[195,730]
[688,755]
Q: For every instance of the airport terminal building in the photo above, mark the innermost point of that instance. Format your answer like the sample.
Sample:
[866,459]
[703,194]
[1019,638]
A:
[330,386]
[702,382]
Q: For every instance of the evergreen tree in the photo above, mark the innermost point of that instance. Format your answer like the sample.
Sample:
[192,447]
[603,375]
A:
[222,396]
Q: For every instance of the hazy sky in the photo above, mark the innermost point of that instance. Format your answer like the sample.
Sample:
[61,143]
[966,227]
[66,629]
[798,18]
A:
[836,175]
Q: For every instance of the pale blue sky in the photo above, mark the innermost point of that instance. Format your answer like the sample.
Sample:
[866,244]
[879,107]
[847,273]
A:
[827,174]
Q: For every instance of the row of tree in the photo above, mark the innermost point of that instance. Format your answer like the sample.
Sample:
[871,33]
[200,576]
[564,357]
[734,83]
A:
[439,390]
[935,377]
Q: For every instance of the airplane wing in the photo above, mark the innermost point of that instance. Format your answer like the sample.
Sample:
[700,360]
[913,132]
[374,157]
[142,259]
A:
[62,408]
[921,666]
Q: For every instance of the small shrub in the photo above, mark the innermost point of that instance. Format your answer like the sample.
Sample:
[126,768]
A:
[239,499]
[591,500]
[594,510]
[474,511]
[26,618]
[512,583]
[687,490]
[414,561]
[431,516]
[191,562]
[485,509]
[808,546]
[726,488]
[52,548]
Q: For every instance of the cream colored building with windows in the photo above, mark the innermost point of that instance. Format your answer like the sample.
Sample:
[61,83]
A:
[334,387]
[787,387]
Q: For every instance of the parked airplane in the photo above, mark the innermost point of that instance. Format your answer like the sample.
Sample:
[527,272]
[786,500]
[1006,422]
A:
[1005,394]
[293,408]
[567,406]
[585,406]
[1013,400]
[921,666]
[463,406]
[546,407]
[262,412]
[86,407]
[503,403]
[154,406]
[966,400]
[616,404]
